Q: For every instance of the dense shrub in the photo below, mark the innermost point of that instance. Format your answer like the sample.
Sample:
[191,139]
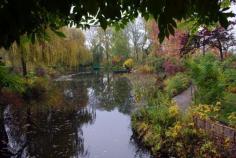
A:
[161,64]
[217,112]
[10,80]
[168,134]
[205,111]
[208,76]
[215,81]
[232,119]
[230,79]
[129,63]
[176,84]
[162,128]
[117,62]
[145,69]
[156,63]
[11,87]
[230,62]
[172,67]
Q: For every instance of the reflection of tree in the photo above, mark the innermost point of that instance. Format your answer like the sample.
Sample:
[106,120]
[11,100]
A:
[140,150]
[15,136]
[102,87]
[75,93]
[122,95]
[3,136]
[55,131]
[113,92]
[60,134]
[47,132]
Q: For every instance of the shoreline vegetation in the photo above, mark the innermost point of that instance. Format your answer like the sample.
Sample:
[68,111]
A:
[167,131]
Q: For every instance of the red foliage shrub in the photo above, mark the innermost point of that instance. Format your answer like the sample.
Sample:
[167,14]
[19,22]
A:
[171,68]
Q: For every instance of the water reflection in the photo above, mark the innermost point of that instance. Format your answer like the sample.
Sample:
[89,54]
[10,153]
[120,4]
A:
[113,92]
[51,133]
[86,117]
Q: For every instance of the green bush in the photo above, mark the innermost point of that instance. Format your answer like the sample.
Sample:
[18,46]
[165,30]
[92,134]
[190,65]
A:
[232,119]
[230,72]
[177,84]
[11,81]
[208,76]
[230,80]
[228,107]
[156,63]
[152,123]
[230,61]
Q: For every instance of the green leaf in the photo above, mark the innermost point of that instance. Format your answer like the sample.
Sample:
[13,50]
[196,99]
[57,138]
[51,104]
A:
[59,33]
[173,23]
[171,30]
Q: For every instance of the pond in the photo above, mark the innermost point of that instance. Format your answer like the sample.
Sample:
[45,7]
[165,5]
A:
[86,117]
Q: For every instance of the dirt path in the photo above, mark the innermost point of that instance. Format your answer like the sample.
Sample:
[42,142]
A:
[184,99]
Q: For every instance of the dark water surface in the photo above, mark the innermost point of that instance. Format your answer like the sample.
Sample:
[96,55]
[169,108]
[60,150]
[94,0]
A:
[83,117]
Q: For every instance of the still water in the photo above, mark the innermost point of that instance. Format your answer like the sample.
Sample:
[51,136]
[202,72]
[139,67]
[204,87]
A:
[83,117]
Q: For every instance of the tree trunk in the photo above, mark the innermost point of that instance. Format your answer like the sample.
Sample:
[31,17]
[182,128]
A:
[136,52]
[221,55]
[107,45]
[204,47]
[107,54]
[23,64]
[221,51]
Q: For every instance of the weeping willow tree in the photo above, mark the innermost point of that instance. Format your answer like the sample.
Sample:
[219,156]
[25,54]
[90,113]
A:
[55,51]
[17,55]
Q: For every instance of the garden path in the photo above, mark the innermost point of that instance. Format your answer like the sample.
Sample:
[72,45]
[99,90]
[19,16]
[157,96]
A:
[184,99]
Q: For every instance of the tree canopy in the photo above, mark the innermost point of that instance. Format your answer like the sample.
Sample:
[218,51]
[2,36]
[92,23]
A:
[31,17]
[120,44]
[220,38]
